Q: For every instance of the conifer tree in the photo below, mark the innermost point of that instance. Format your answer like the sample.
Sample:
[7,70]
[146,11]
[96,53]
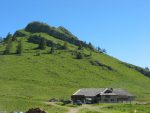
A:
[9,35]
[104,51]
[42,44]
[99,49]
[19,48]
[90,46]
[80,47]
[8,47]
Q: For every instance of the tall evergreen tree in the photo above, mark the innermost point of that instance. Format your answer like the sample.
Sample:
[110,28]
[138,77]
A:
[8,47]
[80,47]
[99,49]
[42,44]
[90,46]
[104,50]
[19,48]
[9,35]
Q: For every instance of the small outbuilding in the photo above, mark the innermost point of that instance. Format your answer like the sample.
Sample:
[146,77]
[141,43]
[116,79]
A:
[102,95]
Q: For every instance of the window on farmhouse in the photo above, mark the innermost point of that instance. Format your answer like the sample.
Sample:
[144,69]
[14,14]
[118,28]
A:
[106,100]
[107,96]
[112,100]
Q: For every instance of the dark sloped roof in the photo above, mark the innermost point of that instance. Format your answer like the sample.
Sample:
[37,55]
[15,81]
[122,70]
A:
[101,91]
[121,92]
[89,91]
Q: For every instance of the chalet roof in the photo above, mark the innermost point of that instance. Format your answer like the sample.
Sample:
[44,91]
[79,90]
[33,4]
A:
[89,91]
[121,92]
[101,91]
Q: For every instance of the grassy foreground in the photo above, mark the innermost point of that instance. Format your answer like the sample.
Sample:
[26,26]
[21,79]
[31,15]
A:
[117,108]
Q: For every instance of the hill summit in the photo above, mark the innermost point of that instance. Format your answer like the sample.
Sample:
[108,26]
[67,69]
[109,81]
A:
[59,33]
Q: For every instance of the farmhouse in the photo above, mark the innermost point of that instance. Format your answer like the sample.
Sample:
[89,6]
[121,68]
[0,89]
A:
[102,95]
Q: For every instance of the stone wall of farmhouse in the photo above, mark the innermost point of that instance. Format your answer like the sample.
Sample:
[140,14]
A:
[109,98]
[115,98]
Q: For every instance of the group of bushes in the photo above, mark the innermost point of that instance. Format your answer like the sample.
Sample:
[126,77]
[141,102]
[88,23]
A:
[143,71]
[59,33]
[38,39]
[104,66]
[61,101]
[8,40]
[42,42]
[79,54]
[35,110]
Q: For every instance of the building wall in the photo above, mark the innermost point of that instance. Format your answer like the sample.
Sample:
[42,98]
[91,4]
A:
[115,99]
[108,99]
[102,99]
[74,98]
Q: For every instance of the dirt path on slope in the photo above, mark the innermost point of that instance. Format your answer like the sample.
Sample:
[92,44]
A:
[70,109]
[85,106]
[74,110]
[77,109]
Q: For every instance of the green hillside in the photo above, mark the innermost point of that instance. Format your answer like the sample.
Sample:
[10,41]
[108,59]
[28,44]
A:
[34,77]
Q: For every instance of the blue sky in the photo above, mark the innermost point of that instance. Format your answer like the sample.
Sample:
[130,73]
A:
[122,27]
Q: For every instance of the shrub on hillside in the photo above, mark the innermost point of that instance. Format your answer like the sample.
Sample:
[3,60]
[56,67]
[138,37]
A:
[97,63]
[139,69]
[52,50]
[35,110]
[80,47]
[79,55]
[65,46]
[36,40]
[38,53]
